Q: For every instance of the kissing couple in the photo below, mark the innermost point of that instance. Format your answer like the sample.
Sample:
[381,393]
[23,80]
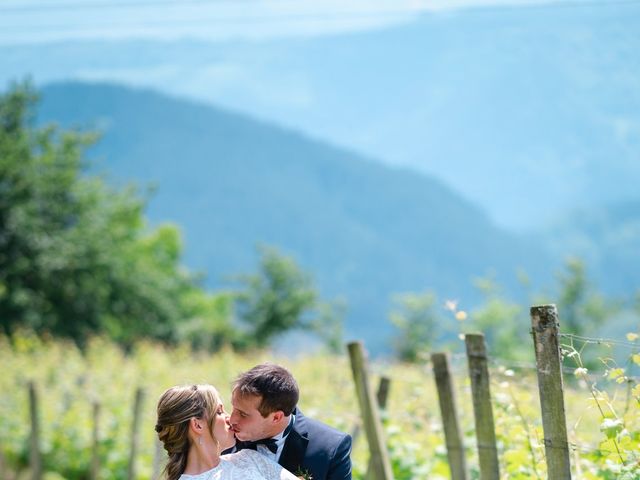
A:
[266,437]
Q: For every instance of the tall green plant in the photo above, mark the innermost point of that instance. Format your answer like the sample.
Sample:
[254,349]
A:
[281,297]
[417,321]
[582,307]
[76,255]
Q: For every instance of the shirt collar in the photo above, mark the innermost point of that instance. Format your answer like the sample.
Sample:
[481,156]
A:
[285,432]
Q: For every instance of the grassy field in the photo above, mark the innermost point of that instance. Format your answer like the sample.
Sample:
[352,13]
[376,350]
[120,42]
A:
[69,382]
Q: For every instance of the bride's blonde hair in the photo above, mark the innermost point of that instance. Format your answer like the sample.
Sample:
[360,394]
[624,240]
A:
[176,407]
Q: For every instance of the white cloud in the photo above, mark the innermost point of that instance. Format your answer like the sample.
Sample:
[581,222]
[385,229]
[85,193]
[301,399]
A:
[27,22]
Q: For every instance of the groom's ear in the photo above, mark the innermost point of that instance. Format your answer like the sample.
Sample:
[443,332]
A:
[277,416]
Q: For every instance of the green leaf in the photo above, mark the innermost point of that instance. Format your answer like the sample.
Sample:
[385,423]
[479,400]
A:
[611,427]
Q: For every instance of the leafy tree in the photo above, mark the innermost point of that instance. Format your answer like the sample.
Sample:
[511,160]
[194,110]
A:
[76,256]
[505,324]
[505,327]
[210,326]
[417,321]
[278,298]
[328,324]
[580,306]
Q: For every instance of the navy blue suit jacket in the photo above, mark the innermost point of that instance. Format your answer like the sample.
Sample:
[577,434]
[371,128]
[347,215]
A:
[317,449]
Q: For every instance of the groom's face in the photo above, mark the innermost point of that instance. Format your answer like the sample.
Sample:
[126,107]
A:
[246,421]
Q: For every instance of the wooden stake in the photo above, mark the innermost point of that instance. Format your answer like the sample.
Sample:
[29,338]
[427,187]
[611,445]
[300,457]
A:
[482,409]
[381,467]
[135,427]
[545,329]
[35,456]
[446,398]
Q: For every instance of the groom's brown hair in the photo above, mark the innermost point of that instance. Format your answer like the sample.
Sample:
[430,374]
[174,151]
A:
[274,384]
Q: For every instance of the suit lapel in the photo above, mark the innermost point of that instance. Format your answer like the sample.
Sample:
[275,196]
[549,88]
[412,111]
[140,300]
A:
[295,446]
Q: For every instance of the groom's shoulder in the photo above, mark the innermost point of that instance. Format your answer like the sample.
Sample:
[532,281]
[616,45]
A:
[317,428]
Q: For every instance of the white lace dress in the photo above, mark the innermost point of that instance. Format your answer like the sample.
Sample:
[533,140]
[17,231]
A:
[245,465]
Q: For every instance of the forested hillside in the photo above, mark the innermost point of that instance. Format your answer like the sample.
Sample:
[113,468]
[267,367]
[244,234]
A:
[607,238]
[537,104]
[364,230]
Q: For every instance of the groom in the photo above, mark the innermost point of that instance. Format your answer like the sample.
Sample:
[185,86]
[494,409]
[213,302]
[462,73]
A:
[265,418]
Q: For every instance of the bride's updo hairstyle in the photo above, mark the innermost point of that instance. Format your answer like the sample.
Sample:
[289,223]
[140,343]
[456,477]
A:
[176,407]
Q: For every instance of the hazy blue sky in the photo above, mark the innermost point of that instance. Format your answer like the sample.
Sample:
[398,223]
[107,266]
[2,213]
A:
[528,108]
[55,20]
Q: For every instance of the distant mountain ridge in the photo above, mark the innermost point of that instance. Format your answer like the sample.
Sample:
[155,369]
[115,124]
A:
[607,238]
[529,111]
[364,230]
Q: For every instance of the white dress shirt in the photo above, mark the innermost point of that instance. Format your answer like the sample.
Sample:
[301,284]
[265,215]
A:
[280,439]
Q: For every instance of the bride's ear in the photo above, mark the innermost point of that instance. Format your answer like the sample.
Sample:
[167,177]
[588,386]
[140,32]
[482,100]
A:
[195,425]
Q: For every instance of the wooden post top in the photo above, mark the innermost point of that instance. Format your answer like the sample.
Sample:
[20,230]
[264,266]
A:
[544,316]
[475,345]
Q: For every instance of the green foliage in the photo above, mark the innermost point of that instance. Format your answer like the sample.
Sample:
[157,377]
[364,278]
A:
[76,256]
[582,307]
[359,226]
[281,297]
[416,318]
[328,324]
[210,326]
[619,422]
[275,299]
[503,323]
[70,381]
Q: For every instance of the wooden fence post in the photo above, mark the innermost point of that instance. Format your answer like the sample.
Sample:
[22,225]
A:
[382,395]
[95,448]
[545,330]
[482,409]
[383,392]
[4,468]
[5,473]
[135,427]
[381,467]
[446,398]
[159,459]
[35,456]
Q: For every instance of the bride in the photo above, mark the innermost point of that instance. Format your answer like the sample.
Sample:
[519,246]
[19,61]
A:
[194,429]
